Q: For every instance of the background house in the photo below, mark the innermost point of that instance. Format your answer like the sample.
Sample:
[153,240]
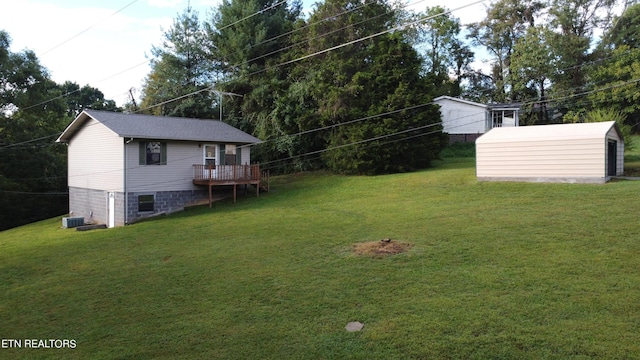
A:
[465,121]
[123,167]
[584,153]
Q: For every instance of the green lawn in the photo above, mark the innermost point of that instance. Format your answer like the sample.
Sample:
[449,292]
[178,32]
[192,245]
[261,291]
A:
[497,270]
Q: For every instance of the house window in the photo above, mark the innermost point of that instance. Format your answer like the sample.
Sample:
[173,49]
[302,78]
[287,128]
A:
[230,155]
[210,152]
[153,153]
[146,203]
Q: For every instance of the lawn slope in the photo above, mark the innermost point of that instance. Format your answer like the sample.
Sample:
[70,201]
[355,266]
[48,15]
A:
[497,270]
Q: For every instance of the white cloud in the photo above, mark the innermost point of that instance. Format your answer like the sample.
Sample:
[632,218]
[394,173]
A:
[166,3]
[89,44]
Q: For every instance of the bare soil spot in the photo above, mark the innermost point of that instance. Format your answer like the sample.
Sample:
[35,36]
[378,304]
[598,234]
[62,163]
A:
[381,247]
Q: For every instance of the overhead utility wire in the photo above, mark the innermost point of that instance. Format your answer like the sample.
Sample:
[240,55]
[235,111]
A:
[327,33]
[123,71]
[89,28]
[396,28]
[326,50]
[252,15]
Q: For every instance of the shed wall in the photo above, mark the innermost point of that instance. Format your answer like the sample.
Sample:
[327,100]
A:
[572,160]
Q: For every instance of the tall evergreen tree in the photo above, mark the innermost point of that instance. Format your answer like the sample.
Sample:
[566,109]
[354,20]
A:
[247,38]
[374,79]
[181,72]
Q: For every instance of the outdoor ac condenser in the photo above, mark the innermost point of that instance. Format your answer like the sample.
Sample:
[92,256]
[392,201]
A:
[71,222]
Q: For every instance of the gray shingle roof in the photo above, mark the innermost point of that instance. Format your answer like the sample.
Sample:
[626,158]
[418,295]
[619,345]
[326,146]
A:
[161,128]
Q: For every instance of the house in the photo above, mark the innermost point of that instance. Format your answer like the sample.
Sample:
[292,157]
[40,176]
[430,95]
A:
[465,120]
[574,153]
[124,167]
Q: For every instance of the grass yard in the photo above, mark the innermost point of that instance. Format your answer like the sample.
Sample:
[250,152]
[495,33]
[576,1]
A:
[496,270]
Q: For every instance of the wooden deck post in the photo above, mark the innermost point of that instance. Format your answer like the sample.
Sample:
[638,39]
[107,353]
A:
[234,192]
[210,197]
[257,168]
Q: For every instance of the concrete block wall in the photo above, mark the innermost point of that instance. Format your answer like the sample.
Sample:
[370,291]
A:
[89,204]
[92,205]
[164,202]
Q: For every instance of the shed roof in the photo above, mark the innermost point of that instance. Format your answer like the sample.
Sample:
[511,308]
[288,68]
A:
[462,101]
[549,132]
[160,128]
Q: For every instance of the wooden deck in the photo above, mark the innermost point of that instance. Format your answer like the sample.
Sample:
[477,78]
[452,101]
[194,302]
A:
[219,175]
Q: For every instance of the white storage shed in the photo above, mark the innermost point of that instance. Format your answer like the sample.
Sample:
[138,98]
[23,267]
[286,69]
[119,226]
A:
[573,153]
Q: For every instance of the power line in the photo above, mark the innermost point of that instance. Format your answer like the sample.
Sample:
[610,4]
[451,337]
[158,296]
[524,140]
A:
[89,28]
[252,15]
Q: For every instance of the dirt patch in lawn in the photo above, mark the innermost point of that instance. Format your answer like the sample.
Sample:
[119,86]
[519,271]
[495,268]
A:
[381,247]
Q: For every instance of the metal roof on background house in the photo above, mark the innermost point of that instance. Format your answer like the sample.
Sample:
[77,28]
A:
[468,102]
[549,132]
[160,128]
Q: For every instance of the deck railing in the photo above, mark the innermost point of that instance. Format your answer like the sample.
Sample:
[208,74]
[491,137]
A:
[226,173]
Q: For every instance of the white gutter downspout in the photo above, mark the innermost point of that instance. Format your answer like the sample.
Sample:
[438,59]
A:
[126,195]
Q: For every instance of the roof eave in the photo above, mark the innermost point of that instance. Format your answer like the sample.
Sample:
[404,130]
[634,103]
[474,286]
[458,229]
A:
[71,129]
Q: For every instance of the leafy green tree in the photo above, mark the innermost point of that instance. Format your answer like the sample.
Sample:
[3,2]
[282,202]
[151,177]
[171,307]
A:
[506,22]
[34,110]
[602,115]
[625,29]
[574,23]
[616,74]
[533,65]
[374,80]
[437,38]
[79,98]
[181,72]
[32,166]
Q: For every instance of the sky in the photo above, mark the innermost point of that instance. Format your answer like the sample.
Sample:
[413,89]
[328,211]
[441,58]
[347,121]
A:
[106,44]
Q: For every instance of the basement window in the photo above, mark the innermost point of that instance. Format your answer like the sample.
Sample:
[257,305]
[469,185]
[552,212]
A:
[146,203]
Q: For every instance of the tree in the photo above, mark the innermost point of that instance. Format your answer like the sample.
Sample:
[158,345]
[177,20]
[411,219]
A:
[79,98]
[573,23]
[370,93]
[247,39]
[533,65]
[614,79]
[506,22]
[437,40]
[34,110]
[181,72]
[31,165]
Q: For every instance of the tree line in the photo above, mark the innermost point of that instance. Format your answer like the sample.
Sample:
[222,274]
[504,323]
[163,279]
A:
[347,87]
[33,112]
[563,60]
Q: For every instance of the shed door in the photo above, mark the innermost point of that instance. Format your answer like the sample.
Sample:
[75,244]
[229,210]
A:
[612,157]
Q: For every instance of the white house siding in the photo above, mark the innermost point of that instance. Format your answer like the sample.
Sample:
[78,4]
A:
[462,117]
[555,153]
[95,158]
[245,154]
[176,175]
